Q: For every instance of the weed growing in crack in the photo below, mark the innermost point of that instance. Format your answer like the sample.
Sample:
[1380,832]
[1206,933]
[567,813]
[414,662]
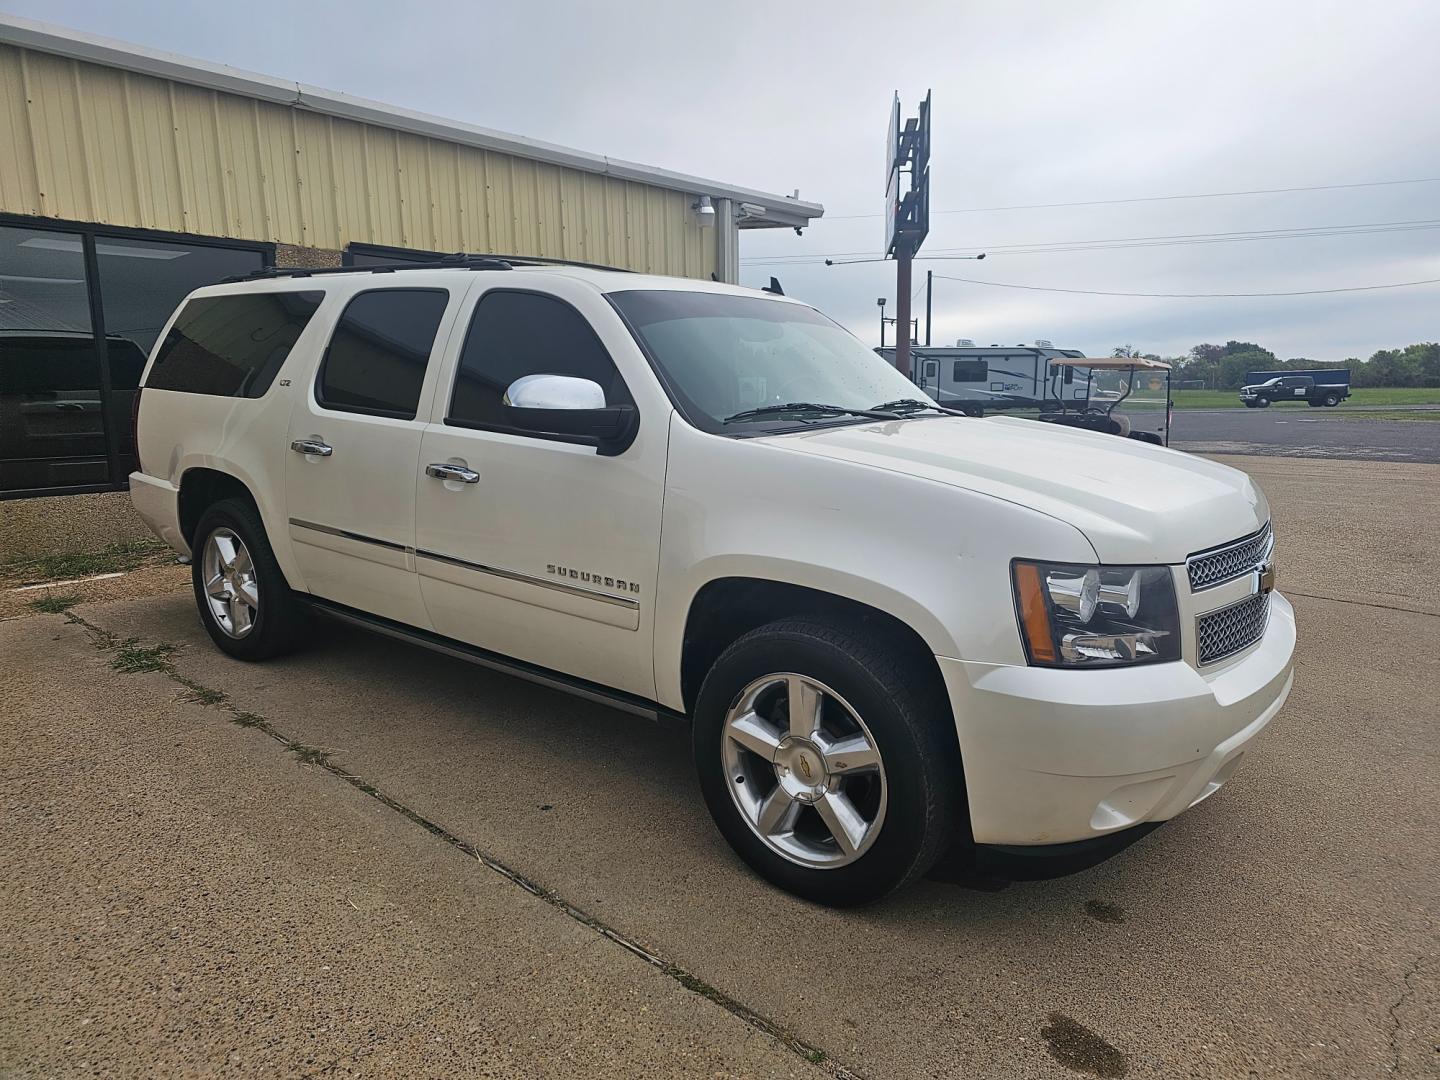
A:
[54,603]
[132,658]
[308,755]
[201,695]
[248,719]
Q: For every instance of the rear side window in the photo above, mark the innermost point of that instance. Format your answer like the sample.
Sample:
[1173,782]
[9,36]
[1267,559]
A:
[375,363]
[513,334]
[231,346]
[972,370]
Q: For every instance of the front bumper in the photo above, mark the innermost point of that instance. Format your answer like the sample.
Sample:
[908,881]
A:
[1054,756]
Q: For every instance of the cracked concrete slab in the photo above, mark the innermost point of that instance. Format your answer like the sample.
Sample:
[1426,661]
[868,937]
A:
[184,897]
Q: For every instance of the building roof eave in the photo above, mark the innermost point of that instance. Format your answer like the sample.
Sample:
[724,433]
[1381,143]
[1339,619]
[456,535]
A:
[770,210]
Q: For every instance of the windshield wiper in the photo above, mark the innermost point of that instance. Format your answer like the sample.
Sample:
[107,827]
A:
[803,407]
[909,405]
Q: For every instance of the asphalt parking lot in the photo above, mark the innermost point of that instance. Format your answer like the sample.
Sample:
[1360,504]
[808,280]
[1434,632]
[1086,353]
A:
[369,859]
[1290,431]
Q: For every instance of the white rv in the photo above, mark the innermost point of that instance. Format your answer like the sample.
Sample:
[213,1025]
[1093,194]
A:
[976,378]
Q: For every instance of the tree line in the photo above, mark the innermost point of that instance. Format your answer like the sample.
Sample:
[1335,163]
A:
[1223,367]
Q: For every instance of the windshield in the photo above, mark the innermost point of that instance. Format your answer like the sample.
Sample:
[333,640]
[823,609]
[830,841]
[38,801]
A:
[721,355]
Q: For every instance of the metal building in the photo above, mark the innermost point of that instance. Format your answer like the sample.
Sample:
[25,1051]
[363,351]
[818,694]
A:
[129,177]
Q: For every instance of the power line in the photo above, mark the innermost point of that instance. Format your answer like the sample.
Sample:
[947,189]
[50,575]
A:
[1192,296]
[1124,242]
[1156,198]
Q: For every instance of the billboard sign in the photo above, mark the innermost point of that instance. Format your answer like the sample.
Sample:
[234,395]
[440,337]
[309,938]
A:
[907,179]
[892,175]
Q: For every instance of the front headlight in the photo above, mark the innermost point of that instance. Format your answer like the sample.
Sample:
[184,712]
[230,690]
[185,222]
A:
[1096,616]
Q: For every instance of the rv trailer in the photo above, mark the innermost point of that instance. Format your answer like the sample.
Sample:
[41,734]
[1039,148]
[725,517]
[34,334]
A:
[978,379]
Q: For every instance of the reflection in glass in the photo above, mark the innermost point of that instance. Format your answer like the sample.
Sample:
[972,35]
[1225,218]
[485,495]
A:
[141,284]
[51,427]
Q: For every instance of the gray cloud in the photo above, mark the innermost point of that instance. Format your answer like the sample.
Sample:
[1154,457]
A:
[1040,102]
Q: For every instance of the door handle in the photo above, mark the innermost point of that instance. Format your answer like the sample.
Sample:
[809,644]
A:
[312,446]
[442,471]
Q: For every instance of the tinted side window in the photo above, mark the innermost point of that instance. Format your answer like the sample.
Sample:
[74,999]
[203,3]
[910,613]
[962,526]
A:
[514,334]
[971,370]
[231,345]
[376,359]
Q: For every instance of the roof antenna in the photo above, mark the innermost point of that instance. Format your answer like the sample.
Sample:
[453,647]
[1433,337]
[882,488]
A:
[774,287]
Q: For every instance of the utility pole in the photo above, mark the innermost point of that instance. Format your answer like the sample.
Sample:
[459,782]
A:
[881,302]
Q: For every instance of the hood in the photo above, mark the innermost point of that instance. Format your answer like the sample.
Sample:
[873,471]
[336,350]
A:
[1135,502]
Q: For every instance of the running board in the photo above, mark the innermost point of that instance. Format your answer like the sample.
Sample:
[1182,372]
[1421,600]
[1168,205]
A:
[581,688]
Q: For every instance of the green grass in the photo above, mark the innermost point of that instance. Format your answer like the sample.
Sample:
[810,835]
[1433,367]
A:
[1375,395]
[131,657]
[55,604]
[62,567]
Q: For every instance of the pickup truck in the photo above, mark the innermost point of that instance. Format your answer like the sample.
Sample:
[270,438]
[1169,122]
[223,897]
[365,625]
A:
[1306,388]
[896,633]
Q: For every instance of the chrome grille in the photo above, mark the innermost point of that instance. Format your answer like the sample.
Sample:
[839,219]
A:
[1219,565]
[1225,632]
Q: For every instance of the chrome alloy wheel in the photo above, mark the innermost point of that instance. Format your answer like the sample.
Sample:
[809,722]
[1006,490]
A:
[230,586]
[804,771]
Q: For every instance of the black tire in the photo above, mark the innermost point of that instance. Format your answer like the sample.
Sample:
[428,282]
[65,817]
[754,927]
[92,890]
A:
[1262,403]
[910,721]
[1331,400]
[280,620]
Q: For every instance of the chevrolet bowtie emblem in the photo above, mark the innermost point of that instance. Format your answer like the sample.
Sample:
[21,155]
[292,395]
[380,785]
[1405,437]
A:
[805,768]
[1265,578]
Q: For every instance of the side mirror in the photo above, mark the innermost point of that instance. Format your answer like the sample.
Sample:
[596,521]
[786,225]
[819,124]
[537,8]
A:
[571,408]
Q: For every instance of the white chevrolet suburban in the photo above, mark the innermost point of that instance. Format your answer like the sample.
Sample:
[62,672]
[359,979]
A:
[897,632]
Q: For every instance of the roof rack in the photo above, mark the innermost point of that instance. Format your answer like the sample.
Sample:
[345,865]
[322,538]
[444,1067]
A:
[542,260]
[458,261]
[448,262]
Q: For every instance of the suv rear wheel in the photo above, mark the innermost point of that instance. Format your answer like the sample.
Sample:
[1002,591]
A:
[1331,400]
[246,605]
[826,761]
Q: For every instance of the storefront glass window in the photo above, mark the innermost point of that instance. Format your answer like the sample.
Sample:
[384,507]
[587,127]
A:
[52,433]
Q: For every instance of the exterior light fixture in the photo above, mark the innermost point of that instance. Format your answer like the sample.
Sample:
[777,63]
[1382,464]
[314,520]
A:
[704,210]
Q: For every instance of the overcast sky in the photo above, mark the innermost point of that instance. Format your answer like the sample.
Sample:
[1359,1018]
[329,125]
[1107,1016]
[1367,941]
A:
[1034,103]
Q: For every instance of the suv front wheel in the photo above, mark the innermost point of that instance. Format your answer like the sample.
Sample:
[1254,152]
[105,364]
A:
[244,601]
[827,761]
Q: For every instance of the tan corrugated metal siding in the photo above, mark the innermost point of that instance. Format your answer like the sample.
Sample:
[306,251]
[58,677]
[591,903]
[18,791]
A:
[93,143]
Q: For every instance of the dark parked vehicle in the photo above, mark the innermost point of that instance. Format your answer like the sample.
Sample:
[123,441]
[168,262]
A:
[1326,387]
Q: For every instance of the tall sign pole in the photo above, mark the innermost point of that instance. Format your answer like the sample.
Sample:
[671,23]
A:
[902,310]
[907,211]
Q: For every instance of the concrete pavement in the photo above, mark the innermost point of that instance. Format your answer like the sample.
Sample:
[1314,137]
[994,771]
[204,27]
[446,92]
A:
[184,897]
[182,880]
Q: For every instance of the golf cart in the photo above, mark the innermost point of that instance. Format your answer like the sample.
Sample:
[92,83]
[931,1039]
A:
[1123,395]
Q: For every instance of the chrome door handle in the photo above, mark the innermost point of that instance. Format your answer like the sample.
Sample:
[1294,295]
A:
[312,446]
[441,471]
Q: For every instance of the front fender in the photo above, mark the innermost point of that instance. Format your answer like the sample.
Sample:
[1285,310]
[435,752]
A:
[934,556]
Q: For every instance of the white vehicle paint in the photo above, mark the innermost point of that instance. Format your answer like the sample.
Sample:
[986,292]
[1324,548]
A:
[623,572]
